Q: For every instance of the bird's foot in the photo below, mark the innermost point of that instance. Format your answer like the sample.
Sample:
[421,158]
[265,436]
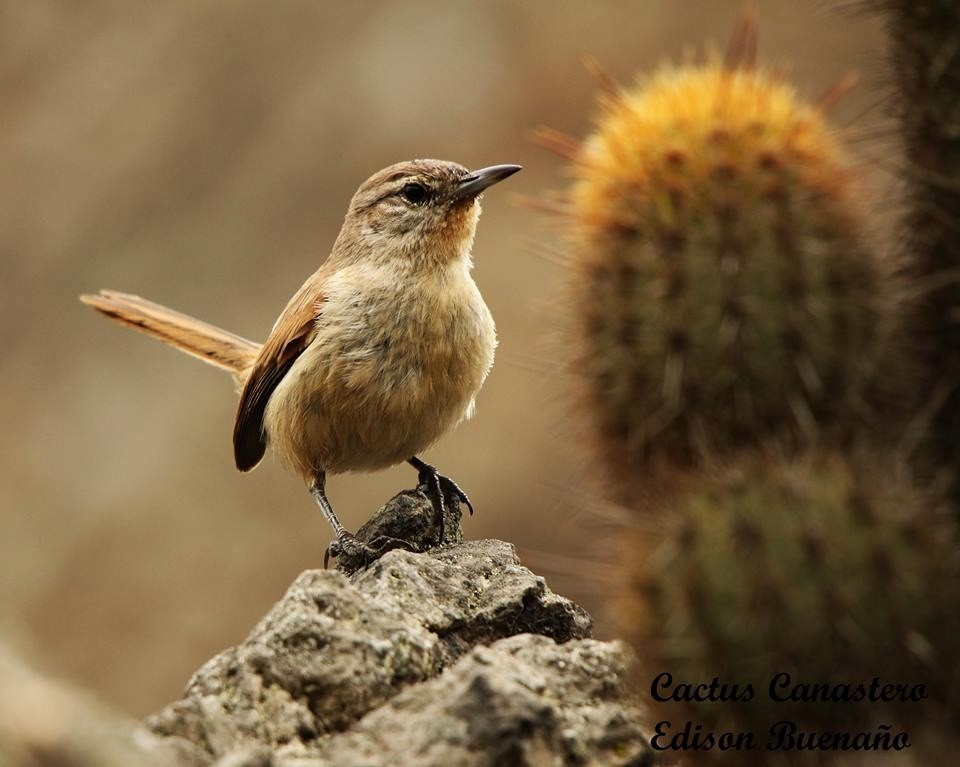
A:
[440,490]
[353,554]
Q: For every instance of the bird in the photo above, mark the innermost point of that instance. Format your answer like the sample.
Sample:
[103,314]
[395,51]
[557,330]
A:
[381,351]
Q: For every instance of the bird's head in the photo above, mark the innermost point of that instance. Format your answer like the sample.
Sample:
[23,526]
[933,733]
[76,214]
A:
[424,210]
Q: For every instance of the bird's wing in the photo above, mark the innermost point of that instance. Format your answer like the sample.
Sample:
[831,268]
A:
[292,333]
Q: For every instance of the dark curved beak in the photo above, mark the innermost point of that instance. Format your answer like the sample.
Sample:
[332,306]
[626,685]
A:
[477,180]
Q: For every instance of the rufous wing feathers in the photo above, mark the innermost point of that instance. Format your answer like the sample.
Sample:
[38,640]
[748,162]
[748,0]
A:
[290,336]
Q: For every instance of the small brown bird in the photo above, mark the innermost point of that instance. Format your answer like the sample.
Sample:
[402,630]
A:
[381,351]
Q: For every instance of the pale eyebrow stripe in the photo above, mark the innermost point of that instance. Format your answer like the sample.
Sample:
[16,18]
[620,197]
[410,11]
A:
[395,187]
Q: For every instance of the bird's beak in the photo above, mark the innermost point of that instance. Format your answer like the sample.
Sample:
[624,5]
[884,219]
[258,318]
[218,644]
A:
[477,180]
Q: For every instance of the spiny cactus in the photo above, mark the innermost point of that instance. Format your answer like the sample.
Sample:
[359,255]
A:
[774,566]
[735,339]
[925,68]
[721,290]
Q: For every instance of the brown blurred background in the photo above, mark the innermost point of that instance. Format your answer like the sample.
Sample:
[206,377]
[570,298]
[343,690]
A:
[202,153]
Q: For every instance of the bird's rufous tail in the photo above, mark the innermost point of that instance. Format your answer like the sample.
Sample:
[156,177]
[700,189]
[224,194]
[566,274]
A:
[200,339]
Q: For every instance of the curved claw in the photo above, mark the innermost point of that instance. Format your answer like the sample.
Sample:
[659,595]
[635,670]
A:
[439,490]
[450,487]
[349,545]
[333,550]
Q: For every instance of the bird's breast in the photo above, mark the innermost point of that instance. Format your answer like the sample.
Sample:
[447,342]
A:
[395,363]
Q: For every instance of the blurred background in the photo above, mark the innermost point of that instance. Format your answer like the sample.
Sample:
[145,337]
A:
[201,153]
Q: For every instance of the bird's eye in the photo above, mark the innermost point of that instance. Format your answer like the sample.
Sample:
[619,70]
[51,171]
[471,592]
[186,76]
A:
[415,194]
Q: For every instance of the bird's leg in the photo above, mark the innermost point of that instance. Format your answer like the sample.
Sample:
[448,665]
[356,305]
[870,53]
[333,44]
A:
[345,543]
[440,488]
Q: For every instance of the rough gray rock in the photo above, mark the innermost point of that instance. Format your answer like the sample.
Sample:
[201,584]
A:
[457,655]
[525,700]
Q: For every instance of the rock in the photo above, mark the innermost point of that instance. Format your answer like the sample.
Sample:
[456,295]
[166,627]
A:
[456,655]
[525,700]
[472,593]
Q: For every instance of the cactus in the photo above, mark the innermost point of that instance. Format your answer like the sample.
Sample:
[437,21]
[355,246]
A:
[801,567]
[925,67]
[737,344]
[721,290]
